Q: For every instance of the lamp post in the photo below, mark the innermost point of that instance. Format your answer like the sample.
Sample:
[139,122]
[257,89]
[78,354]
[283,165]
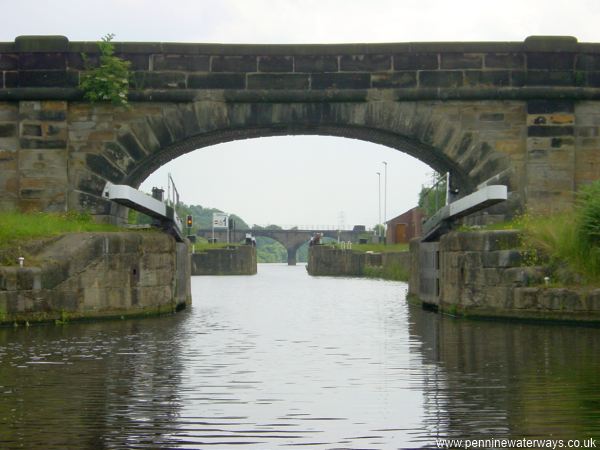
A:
[379,202]
[385,198]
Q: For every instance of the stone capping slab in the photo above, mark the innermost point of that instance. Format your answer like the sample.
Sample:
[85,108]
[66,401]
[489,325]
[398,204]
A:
[532,43]
[550,44]
[476,241]
[307,96]
[41,44]
[302,49]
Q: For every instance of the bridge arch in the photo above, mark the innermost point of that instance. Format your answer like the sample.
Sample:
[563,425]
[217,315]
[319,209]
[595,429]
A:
[525,111]
[150,135]
[409,132]
[291,240]
[288,239]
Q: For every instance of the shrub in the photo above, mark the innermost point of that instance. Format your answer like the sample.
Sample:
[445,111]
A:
[109,82]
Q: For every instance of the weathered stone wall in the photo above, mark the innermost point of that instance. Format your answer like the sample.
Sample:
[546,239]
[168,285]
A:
[53,61]
[93,275]
[34,155]
[414,285]
[524,111]
[324,260]
[234,260]
[328,261]
[483,274]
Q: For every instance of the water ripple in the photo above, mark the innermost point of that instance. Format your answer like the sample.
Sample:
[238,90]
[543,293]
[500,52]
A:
[285,360]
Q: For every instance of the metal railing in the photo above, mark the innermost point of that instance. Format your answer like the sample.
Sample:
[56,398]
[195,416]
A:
[437,195]
[172,193]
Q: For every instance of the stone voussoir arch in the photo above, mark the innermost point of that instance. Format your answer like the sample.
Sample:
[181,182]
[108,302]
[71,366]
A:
[150,135]
[523,114]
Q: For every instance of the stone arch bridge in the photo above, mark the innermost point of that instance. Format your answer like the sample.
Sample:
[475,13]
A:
[526,114]
[292,240]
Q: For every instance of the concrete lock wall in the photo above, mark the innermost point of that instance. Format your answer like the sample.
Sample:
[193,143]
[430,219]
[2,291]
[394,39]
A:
[94,275]
[483,274]
[235,260]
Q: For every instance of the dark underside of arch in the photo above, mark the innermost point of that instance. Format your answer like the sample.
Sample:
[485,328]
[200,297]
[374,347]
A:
[423,152]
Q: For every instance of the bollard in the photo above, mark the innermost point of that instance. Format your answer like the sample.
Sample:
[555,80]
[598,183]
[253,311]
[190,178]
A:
[21,260]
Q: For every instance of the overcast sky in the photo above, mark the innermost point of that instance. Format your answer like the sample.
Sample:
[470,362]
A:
[299,180]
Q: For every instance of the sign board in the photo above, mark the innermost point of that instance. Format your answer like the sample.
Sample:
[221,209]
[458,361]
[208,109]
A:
[220,220]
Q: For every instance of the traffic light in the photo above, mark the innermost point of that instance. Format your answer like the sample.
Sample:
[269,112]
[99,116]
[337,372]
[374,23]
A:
[189,221]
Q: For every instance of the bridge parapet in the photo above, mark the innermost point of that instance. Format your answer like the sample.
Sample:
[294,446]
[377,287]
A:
[51,67]
[524,114]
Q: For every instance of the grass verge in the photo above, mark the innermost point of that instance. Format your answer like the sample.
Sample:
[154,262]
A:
[379,248]
[204,246]
[567,244]
[557,243]
[390,272]
[18,229]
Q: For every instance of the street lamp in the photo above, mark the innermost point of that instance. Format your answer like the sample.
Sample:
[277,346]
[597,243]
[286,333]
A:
[385,196]
[379,201]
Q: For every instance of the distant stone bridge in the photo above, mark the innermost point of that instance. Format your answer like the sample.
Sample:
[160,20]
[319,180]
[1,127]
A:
[525,114]
[292,240]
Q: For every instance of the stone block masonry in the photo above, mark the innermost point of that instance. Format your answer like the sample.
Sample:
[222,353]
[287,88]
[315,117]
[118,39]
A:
[482,274]
[520,113]
[54,62]
[97,275]
[324,260]
[234,260]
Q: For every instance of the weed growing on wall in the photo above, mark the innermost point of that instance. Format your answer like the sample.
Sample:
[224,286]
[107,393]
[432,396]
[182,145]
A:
[569,243]
[588,229]
[109,81]
[589,214]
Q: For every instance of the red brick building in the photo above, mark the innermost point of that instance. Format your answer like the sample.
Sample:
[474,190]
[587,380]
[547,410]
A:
[405,227]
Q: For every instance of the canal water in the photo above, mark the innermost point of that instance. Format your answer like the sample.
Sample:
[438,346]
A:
[282,359]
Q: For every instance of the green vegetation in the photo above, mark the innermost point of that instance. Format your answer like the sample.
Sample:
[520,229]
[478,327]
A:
[379,248]
[17,229]
[390,272]
[267,250]
[516,223]
[270,251]
[569,243]
[202,217]
[432,198]
[109,81]
[203,246]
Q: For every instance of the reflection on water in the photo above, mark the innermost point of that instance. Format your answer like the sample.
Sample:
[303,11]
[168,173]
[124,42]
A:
[283,359]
